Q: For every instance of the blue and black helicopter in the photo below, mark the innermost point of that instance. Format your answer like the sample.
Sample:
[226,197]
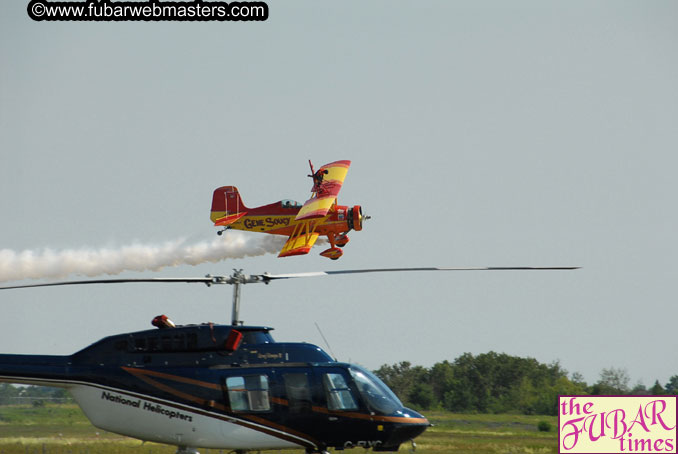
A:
[225,386]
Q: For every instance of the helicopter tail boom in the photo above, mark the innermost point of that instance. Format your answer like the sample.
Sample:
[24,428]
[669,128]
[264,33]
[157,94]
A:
[41,370]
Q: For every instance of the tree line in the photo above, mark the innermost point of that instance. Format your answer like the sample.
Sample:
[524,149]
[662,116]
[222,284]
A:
[500,383]
[37,395]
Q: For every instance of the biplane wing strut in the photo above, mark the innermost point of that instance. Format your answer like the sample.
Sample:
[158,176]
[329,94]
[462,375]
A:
[301,241]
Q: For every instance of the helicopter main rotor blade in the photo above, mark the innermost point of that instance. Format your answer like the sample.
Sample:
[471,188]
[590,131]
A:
[239,278]
[204,280]
[386,270]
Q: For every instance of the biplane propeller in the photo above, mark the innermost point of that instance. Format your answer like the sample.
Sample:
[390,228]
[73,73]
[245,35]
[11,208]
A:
[227,386]
[302,224]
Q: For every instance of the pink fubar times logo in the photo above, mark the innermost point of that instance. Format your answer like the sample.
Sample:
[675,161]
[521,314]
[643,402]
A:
[617,424]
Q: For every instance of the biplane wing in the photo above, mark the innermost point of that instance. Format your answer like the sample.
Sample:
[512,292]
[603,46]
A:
[327,182]
[301,241]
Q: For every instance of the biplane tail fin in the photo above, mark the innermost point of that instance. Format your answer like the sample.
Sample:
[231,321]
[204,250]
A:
[226,201]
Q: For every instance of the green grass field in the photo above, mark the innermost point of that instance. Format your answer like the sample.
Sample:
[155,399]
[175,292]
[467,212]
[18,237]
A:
[63,429]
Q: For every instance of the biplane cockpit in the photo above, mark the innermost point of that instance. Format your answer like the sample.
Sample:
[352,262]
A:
[289,203]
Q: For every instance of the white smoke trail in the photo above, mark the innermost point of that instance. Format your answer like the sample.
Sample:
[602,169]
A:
[51,264]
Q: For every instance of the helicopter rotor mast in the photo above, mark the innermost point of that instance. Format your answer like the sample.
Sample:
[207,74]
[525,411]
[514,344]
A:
[238,278]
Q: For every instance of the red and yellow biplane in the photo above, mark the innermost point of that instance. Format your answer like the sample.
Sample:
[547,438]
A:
[303,224]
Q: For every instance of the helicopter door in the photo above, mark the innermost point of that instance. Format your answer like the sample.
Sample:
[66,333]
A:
[296,396]
[338,393]
[343,417]
[298,392]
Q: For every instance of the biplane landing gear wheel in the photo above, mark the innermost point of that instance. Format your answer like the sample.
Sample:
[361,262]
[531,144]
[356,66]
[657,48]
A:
[220,232]
[341,240]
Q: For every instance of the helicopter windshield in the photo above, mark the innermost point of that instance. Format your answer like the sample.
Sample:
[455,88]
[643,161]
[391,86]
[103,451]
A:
[378,396]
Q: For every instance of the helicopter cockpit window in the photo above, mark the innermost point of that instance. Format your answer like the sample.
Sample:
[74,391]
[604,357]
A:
[378,396]
[298,392]
[248,393]
[339,396]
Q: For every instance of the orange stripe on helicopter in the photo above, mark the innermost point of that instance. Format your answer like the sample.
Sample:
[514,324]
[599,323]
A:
[177,378]
[354,415]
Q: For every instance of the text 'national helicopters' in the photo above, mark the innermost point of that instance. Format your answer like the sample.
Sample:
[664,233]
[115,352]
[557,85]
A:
[225,386]
[302,224]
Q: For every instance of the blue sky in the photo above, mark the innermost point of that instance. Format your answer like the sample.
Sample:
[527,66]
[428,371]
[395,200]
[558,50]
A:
[481,133]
